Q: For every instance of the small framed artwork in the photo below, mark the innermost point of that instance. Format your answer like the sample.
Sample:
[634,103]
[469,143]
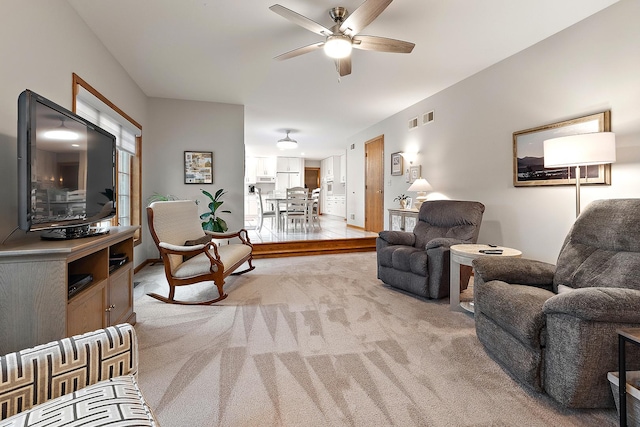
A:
[396,164]
[408,203]
[198,167]
[414,173]
[528,153]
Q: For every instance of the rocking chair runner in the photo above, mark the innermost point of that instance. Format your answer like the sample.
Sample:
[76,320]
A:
[192,255]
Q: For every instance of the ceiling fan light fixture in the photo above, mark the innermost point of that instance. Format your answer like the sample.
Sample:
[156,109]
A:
[287,143]
[338,46]
[61,133]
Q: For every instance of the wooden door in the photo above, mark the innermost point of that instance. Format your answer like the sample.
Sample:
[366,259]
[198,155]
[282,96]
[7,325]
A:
[374,184]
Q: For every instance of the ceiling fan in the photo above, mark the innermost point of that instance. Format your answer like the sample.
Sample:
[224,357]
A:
[344,35]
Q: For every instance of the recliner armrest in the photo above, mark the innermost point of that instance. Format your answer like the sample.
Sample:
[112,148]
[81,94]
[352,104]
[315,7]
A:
[443,242]
[398,237]
[519,271]
[615,305]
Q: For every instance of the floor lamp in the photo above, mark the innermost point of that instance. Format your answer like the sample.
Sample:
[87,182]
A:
[580,150]
[421,186]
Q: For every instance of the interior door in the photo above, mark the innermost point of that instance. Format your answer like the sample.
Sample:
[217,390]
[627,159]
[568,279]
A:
[374,184]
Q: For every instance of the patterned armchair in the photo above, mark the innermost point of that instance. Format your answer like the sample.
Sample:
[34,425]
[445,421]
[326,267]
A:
[87,380]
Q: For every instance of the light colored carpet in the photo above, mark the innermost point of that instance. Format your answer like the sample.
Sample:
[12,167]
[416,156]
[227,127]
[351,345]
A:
[319,341]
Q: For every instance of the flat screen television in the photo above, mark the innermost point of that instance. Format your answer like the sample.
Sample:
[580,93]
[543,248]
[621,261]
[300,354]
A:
[66,170]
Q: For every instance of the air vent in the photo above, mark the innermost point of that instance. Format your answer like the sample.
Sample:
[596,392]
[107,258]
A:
[427,117]
[413,123]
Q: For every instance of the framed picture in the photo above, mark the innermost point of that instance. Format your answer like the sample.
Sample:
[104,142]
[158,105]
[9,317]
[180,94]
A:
[528,153]
[198,167]
[408,203]
[414,173]
[396,164]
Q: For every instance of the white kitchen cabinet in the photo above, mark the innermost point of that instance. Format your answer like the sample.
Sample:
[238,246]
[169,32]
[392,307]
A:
[330,168]
[250,170]
[289,164]
[335,205]
[286,180]
[265,167]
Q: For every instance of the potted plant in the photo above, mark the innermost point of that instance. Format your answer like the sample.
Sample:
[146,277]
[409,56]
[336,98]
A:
[211,220]
[402,199]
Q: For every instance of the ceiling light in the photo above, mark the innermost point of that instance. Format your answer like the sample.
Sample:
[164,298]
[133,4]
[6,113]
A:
[287,143]
[337,46]
[62,133]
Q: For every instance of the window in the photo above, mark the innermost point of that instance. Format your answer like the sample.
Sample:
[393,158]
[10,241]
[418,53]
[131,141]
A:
[91,105]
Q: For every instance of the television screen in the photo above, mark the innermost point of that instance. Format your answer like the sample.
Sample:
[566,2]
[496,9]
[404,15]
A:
[66,169]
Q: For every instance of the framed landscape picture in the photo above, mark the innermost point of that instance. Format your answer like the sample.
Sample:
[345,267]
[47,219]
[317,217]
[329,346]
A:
[528,153]
[396,164]
[198,167]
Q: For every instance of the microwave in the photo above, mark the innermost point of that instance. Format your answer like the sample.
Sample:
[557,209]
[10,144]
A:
[329,188]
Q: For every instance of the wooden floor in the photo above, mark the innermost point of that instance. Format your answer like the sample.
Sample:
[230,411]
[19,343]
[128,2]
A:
[332,236]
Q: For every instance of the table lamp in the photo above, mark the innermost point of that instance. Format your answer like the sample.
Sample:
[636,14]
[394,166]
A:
[420,185]
[580,150]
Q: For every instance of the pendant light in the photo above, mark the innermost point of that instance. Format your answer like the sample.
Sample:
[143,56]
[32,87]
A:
[287,143]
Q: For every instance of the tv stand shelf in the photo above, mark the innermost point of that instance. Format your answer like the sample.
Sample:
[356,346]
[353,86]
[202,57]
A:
[35,306]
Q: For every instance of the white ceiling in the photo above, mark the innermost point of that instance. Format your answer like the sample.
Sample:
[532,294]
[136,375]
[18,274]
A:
[222,51]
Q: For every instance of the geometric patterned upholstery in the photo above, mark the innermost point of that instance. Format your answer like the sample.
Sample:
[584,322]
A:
[33,376]
[116,401]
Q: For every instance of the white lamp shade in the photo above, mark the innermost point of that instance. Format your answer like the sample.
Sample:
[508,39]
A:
[420,185]
[580,150]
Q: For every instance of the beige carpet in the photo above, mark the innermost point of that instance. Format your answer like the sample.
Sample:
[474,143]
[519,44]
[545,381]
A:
[319,341]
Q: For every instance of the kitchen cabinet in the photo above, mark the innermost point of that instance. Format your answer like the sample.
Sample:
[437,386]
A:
[289,164]
[250,167]
[286,180]
[330,168]
[265,167]
[335,205]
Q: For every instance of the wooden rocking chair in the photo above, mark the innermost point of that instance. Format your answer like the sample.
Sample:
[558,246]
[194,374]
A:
[192,255]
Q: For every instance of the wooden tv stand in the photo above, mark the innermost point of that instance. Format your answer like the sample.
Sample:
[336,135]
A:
[35,307]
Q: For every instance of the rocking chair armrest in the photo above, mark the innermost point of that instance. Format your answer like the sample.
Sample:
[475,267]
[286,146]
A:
[182,250]
[241,234]
[192,250]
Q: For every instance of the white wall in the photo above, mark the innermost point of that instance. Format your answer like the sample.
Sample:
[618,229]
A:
[176,126]
[41,44]
[466,153]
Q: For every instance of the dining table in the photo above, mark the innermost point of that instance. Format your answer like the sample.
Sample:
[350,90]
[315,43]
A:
[279,204]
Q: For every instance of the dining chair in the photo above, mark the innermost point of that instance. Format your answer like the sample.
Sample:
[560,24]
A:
[314,208]
[296,208]
[262,213]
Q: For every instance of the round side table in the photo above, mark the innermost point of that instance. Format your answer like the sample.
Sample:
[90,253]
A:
[464,255]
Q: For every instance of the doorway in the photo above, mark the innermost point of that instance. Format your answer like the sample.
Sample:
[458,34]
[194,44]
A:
[374,184]
[311,178]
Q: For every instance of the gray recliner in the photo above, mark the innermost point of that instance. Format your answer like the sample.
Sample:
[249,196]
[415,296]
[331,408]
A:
[418,262]
[553,327]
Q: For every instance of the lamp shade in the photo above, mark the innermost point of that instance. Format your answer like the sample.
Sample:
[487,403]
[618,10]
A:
[420,185]
[580,150]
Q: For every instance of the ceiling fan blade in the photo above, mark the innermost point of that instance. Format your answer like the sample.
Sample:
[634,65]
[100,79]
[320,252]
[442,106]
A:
[382,44]
[343,66]
[299,51]
[303,21]
[363,16]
